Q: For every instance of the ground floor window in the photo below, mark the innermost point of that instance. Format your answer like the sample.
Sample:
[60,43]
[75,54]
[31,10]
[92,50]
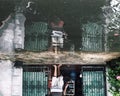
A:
[35,80]
[93,81]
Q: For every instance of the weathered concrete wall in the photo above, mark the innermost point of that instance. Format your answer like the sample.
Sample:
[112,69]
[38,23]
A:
[11,37]
[10,79]
[12,33]
[7,32]
[5,77]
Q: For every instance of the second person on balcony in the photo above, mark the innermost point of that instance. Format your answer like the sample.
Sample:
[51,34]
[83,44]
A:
[58,34]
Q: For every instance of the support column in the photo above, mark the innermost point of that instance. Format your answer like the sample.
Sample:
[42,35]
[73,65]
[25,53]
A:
[17,81]
[5,77]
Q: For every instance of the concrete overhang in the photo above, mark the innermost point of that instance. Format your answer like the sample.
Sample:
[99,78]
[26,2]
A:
[77,58]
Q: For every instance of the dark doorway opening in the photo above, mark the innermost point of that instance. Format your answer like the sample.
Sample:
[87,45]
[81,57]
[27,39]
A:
[73,72]
[87,79]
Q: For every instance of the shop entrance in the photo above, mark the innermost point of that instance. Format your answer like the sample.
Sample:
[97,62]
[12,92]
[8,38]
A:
[89,80]
[86,80]
[73,72]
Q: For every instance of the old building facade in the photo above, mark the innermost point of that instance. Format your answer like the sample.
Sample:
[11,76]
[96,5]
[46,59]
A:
[26,61]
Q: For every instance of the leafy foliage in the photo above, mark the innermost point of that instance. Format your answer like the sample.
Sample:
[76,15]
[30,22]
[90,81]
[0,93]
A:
[111,13]
[113,72]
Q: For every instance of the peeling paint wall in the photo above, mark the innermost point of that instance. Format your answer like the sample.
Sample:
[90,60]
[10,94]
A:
[10,79]
[7,32]
[12,33]
[11,37]
[5,77]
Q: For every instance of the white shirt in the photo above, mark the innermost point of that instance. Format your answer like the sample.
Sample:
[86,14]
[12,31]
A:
[57,84]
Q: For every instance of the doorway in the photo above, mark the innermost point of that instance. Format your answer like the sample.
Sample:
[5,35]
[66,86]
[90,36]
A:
[89,80]
[73,72]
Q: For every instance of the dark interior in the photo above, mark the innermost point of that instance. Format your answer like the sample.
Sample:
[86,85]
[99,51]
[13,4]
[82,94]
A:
[74,13]
[72,72]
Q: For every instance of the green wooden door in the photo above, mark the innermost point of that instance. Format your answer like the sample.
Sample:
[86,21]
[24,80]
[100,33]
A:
[93,81]
[35,81]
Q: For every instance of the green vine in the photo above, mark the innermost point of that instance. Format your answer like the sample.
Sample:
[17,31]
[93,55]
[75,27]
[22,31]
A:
[113,73]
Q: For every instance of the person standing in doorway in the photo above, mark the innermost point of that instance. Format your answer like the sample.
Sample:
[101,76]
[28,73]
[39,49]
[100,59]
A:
[57,82]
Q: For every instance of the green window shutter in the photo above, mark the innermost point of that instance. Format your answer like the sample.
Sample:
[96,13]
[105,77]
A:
[35,81]
[92,37]
[93,82]
[36,36]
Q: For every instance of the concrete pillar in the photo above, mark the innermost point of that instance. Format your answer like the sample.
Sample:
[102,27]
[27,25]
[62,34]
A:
[19,31]
[5,77]
[17,81]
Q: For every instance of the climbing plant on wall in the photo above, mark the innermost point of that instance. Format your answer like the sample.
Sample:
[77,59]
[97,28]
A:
[113,78]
